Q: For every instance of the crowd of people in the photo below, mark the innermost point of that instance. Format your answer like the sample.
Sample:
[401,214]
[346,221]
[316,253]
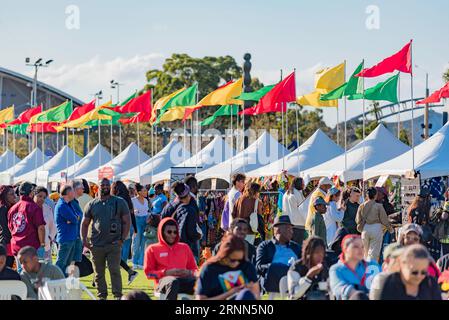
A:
[342,244]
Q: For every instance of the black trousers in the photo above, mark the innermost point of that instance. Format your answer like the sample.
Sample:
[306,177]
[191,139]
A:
[171,286]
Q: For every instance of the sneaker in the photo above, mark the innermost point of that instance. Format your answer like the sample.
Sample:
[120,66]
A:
[132,276]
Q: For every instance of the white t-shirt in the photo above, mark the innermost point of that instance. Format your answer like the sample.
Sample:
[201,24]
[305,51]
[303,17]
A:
[290,207]
[140,210]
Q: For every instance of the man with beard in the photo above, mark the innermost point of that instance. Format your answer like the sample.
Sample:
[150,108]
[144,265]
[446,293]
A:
[110,219]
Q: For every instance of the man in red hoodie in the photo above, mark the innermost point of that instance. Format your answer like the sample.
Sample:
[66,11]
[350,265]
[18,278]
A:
[170,262]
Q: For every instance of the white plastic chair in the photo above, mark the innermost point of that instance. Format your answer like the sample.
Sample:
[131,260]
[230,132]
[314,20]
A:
[9,288]
[63,289]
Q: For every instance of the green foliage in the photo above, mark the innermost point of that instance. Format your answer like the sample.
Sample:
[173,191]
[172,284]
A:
[403,136]
[369,127]
[446,76]
[181,70]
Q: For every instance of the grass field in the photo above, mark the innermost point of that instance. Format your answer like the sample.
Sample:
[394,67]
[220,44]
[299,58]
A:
[140,283]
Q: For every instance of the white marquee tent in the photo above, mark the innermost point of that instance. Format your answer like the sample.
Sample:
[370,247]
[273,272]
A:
[172,154]
[317,149]
[65,156]
[261,152]
[126,160]
[7,160]
[431,159]
[213,153]
[379,146]
[90,162]
[33,160]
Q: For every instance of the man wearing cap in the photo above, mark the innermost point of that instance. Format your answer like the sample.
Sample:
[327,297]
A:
[67,220]
[186,215]
[26,223]
[323,186]
[318,226]
[111,222]
[273,256]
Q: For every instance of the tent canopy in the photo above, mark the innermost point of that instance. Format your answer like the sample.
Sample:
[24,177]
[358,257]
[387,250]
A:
[261,152]
[7,160]
[172,154]
[317,149]
[379,146]
[55,165]
[213,153]
[431,159]
[90,162]
[127,159]
[33,160]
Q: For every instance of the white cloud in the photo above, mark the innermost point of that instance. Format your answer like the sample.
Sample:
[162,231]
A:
[85,78]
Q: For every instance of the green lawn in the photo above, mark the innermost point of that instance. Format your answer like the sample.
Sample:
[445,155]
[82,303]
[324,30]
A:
[140,283]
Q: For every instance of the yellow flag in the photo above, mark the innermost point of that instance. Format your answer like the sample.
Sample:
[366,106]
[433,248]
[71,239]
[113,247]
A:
[174,113]
[330,78]
[161,103]
[6,114]
[313,100]
[92,115]
[223,95]
[326,80]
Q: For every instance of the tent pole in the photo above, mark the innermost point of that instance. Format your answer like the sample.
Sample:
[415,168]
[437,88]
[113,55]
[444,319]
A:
[138,145]
[399,105]
[412,102]
[297,139]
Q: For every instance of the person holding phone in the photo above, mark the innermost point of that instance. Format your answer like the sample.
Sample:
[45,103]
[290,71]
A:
[228,275]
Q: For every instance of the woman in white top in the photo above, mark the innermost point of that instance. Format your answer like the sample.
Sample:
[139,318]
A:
[141,211]
[333,215]
[40,194]
[291,202]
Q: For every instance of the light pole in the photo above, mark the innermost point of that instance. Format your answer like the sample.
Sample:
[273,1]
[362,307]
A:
[116,85]
[36,65]
[426,106]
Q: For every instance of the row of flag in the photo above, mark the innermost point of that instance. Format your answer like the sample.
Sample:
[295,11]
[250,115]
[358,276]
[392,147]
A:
[330,86]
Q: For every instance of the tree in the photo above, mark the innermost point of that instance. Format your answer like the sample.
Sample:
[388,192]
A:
[181,70]
[369,127]
[403,136]
[446,76]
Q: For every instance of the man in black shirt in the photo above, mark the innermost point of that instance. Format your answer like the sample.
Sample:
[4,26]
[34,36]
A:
[6,273]
[352,205]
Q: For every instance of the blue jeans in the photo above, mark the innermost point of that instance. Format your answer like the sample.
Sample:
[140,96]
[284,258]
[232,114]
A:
[139,241]
[78,251]
[126,247]
[66,254]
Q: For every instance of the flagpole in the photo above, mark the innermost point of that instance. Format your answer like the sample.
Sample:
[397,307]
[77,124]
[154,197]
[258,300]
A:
[138,145]
[14,151]
[152,155]
[283,138]
[42,146]
[297,138]
[74,151]
[120,136]
[411,94]
[67,149]
[345,129]
[99,141]
[364,125]
[338,126]
[399,105]
[232,140]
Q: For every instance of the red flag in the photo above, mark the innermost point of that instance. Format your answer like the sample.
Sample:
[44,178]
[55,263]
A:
[400,61]
[188,112]
[81,110]
[436,96]
[140,117]
[140,104]
[25,116]
[276,99]
[45,127]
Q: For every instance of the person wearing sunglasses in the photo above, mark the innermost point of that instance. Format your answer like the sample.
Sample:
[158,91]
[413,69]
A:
[169,262]
[412,281]
[228,275]
[412,233]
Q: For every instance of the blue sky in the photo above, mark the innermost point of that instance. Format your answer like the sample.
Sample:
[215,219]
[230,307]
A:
[122,39]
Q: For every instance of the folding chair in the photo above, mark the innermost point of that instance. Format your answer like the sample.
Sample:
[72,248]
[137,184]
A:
[9,288]
[64,289]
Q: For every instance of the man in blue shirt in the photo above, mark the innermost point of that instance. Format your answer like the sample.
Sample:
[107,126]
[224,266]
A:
[67,225]
[273,256]
[159,201]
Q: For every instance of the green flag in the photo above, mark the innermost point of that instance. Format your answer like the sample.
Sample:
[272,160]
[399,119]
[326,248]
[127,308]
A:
[56,114]
[183,99]
[353,86]
[387,90]
[256,95]
[226,110]
[125,101]
[19,128]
